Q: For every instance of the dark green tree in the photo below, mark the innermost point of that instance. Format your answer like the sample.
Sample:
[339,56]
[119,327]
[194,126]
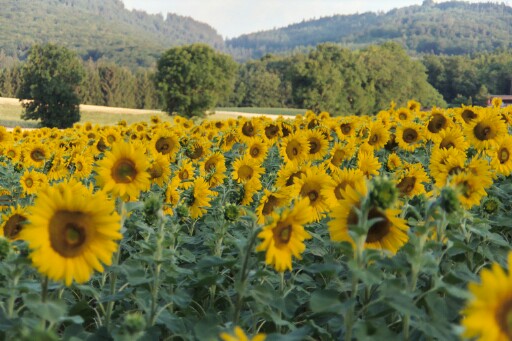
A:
[256,86]
[48,92]
[194,78]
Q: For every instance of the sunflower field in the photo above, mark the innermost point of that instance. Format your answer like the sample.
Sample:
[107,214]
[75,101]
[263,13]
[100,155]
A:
[394,226]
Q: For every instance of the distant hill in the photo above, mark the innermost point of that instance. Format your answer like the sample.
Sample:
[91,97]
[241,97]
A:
[96,29]
[445,28]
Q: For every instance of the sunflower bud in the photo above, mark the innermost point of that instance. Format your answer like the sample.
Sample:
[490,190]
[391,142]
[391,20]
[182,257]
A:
[490,205]
[231,212]
[133,324]
[384,193]
[448,200]
[182,211]
[153,209]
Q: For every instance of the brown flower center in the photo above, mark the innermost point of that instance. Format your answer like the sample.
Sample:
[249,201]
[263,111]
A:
[402,116]
[37,155]
[483,131]
[245,172]
[29,182]
[503,155]
[248,129]
[504,317]
[437,123]
[407,184]
[374,139]
[183,175]
[79,166]
[410,135]
[293,149]
[164,145]
[271,131]
[271,203]
[294,176]
[338,157]
[155,171]
[282,234]
[13,226]
[380,229]
[446,143]
[339,189]
[124,171]
[314,146]
[196,152]
[69,233]
[210,165]
[468,115]
[346,128]
[255,151]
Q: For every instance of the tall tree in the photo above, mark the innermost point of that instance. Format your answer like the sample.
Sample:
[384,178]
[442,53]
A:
[194,78]
[48,92]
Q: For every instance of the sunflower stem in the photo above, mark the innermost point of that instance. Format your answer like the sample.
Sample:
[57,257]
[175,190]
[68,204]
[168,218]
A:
[12,297]
[44,289]
[158,261]
[244,273]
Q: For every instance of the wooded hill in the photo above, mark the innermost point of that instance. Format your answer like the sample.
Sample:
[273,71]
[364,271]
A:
[96,29]
[446,28]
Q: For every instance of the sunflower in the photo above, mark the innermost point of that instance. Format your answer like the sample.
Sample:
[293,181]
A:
[318,144]
[284,236]
[378,135]
[35,154]
[484,131]
[409,136]
[249,129]
[240,336]
[413,105]
[335,190]
[70,231]
[437,123]
[501,156]
[289,174]
[311,185]
[470,188]
[403,115]
[394,162]
[13,222]
[165,142]
[411,180]
[257,149]
[368,163]
[272,131]
[479,167]
[268,203]
[82,164]
[213,169]
[111,135]
[5,136]
[185,173]
[388,232]
[172,195]
[347,127]
[487,314]
[200,198]
[159,169]
[446,162]
[295,147]
[452,137]
[197,148]
[58,166]
[340,152]
[247,169]
[123,170]
[32,181]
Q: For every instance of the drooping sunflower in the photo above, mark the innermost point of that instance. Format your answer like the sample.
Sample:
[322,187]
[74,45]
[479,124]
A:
[185,173]
[159,169]
[71,231]
[13,222]
[268,203]
[289,174]
[452,137]
[165,142]
[368,163]
[284,236]
[340,151]
[484,131]
[471,190]
[123,170]
[200,198]
[409,136]
[213,169]
[501,156]
[172,195]
[389,232]
[394,162]
[249,129]
[335,190]
[487,314]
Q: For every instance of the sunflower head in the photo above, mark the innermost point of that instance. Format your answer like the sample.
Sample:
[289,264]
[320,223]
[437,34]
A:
[13,223]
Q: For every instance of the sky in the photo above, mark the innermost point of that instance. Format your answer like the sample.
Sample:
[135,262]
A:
[232,18]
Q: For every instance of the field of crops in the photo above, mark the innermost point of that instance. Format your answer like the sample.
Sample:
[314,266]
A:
[396,226]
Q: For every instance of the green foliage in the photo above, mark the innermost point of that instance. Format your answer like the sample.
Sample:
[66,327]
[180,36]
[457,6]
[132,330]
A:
[96,29]
[194,78]
[49,81]
[453,27]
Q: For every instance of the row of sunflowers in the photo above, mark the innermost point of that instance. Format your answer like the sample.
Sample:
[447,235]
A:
[312,227]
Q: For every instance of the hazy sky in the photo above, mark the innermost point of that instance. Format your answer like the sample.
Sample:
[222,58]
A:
[232,18]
